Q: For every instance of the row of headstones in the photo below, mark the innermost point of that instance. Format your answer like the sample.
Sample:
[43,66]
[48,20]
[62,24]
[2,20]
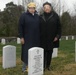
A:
[3,41]
[75,51]
[35,58]
[67,37]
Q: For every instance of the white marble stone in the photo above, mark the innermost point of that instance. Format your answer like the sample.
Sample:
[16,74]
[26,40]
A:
[3,41]
[9,56]
[55,52]
[72,37]
[18,41]
[75,51]
[66,37]
[35,61]
[60,39]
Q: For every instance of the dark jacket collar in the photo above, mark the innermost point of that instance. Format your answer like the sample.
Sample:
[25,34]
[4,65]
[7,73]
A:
[50,15]
[30,13]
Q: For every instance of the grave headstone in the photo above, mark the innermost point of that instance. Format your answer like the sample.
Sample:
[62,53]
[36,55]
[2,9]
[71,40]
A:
[72,37]
[9,56]
[18,41]
[55,52]
[66,37]
[3,41]
[35,61]
[60,39]
[75,51]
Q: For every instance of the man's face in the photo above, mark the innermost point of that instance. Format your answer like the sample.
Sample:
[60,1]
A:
[31,10]
[47,8]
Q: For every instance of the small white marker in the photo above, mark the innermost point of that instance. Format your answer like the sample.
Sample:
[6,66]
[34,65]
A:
[75,51]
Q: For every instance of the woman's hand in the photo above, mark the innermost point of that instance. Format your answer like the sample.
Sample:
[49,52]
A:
[55,39]
[22,41]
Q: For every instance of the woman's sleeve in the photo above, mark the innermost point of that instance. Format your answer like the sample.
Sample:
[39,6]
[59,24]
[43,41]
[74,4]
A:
[21,26]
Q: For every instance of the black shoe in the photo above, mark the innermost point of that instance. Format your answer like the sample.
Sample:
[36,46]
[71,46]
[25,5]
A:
[44,68]
[49,68]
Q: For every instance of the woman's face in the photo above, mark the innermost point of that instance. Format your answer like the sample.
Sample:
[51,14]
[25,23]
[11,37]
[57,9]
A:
[47,8]
[31,10]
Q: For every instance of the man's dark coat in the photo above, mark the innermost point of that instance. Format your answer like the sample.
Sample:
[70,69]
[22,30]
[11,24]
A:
[50,28]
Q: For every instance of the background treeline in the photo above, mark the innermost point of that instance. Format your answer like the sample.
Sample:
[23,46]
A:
[10,16]
[9,20]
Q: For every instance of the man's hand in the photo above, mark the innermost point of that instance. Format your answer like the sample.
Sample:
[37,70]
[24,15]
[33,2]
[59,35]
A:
[55,39]
[22,41]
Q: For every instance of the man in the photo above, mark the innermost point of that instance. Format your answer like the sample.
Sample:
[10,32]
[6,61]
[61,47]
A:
[50,29]
[28,32]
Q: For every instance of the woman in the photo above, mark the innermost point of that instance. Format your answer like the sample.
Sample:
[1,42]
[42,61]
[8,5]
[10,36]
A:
[28,32]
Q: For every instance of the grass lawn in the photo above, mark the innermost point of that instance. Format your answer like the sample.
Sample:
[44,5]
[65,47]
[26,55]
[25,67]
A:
[64,64]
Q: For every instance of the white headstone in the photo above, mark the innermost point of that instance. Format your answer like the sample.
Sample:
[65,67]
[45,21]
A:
[75,51]
[55,52]
[9,56]
[18,41]
[35,61]
[3,41]
[66,37]
[60,39]
[72,37]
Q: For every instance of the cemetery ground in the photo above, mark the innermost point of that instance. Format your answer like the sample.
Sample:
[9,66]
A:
[64,64]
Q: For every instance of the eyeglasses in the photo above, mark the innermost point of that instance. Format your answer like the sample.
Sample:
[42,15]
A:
[32,8]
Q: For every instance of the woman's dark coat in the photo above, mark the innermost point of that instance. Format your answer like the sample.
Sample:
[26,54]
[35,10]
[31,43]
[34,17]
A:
[29,30]
[49,29]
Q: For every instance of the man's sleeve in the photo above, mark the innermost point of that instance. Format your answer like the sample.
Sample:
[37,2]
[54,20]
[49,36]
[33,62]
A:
[58,28]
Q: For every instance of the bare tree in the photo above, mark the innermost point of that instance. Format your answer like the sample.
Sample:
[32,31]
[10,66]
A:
[25,2]
[58,5]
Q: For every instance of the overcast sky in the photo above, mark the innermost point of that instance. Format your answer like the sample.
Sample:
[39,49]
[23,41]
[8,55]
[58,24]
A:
[4,2]
[69,3]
